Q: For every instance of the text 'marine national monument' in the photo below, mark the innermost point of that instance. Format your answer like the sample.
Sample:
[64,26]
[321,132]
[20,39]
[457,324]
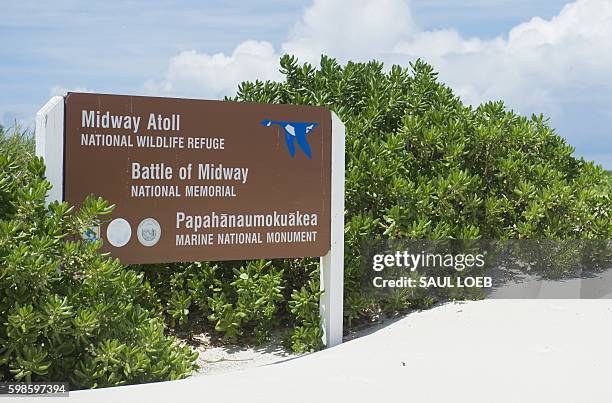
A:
[201,180]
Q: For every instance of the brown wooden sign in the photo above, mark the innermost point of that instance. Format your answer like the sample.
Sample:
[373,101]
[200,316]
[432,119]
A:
[201,180]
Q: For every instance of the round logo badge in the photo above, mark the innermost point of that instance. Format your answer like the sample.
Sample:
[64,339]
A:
[118,232]
[149,232]
[91,234]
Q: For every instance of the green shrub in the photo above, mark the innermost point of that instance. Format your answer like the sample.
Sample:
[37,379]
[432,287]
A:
[68,313]
[233,299]
[248,302]
[18,143]
[304,306]
[421,165]
[242,300]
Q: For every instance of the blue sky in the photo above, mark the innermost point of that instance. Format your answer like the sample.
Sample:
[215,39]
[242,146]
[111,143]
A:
[545,56]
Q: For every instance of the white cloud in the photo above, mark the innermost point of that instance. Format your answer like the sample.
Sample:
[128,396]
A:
[353,29]
[529,67]
[197,74]
[536,67]
[559,67]
[358,30]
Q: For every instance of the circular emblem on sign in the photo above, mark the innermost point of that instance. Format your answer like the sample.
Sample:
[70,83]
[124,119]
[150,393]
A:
[90,234]
[118,232]
[149,232]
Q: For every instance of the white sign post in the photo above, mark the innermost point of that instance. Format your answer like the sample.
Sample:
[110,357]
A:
[50,146]
[332,264]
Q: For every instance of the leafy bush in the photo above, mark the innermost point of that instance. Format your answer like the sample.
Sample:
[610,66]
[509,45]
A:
[17,142]
[239,299]
[66,311]
[304,306]
[255,293]
[421,165]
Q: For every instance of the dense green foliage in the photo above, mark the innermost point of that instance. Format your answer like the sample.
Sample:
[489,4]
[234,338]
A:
[421,165]
[68,313]
[239,300]
[17,143]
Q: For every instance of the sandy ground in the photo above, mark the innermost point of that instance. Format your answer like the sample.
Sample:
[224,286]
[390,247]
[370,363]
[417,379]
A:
[221,359]
[481,351]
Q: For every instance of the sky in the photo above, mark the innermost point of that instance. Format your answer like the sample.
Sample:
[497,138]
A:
[547,56]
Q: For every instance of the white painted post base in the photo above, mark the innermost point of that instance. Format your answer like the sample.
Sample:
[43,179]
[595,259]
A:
[332,264]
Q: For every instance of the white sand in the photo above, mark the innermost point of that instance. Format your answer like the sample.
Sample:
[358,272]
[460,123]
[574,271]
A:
[484,351]
[229,358]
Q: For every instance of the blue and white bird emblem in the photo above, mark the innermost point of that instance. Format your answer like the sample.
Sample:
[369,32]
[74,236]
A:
[294,131]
